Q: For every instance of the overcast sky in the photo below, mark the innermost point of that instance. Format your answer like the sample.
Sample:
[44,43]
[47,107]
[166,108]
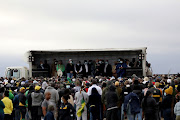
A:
[65,24]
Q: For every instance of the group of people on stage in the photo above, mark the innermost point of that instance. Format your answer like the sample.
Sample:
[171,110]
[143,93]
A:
[98,67]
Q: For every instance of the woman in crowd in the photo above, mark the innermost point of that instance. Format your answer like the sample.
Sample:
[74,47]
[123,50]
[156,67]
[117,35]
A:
[81,100]
[94,104]
[149,107]
[168,104]
[65,109]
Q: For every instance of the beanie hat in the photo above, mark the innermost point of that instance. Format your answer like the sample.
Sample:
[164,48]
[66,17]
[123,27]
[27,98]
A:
[169,91]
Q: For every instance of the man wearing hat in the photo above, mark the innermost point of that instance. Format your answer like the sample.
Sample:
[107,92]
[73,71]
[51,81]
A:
[37,99]
[22,102]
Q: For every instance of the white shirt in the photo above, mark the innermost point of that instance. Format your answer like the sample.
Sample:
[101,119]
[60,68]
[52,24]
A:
[97,88]
[86,67]
[105,68]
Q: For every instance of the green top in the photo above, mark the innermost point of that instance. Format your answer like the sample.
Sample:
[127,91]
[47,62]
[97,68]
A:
[2,106]
[26,94]
[11,96]
[61,67]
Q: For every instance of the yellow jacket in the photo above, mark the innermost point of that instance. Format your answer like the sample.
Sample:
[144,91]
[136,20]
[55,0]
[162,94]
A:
[8,105]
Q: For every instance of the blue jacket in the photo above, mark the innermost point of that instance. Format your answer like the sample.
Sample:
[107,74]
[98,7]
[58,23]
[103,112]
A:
[120,65]
[16,102]
[49,116]
[132,102]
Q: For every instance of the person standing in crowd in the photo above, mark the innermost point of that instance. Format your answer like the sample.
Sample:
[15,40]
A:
[16,107]
[41,66]
[97,68]
[178,94]
[45,103]
[54,96]
[47,67]
[29,100]
[8,106]
[119,94]
[137,89]
[50,115]
[103,97]
[114,69]
[132,106]
[94,85]
[121,68]
[37,98]
[78,69]
[91,68]
[149,107]
[81,100]
[2,106]
[126,89]
[85,69]
[101,69]
[94,104]
[112,100]
[70,69]
[77,87]
[22,102]
[108,69]
[65,110]
[60,68]
[53,68]
[168,104]
[177,110]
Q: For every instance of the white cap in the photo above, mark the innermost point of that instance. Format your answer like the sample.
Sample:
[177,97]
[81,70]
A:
[112,78]
[22,83]
[130,81]
[12,81]
[74,80]
[169,81]
[35,82]
[146,79]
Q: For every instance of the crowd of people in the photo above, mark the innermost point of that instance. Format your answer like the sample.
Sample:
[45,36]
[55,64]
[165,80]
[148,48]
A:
[149,98]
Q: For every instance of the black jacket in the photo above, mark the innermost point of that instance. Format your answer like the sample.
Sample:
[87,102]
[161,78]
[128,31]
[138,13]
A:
[65,112]
[168,102]
[22,98]
[69,68]
[150,108]
[108,70]
[111,97]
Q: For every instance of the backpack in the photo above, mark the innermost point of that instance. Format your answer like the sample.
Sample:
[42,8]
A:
[133,103]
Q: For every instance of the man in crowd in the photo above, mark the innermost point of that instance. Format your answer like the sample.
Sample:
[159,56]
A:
[78,69]
[107,69]
[121,68]
[45,103]
[54,96]
[70,69]
[37,98]
[8,106]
